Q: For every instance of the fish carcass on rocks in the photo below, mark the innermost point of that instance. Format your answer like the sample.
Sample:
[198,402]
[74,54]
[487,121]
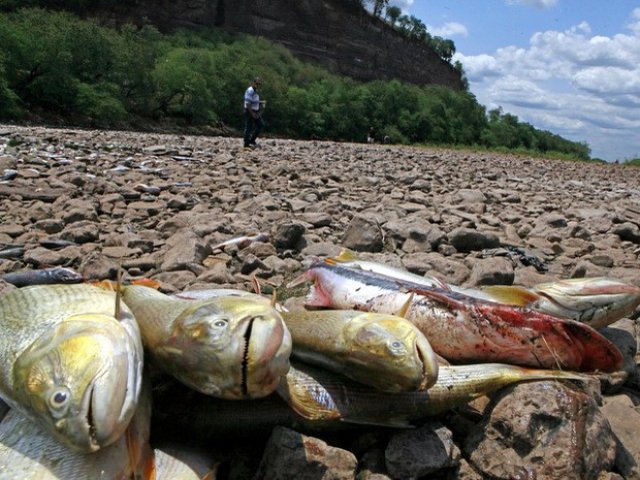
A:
[380,350]
[597,301]
[316,394]
[231,347]
[463,328]
[69,363]
[29,452]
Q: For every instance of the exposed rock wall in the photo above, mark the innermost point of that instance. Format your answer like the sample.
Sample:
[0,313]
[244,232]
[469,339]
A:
[344,40]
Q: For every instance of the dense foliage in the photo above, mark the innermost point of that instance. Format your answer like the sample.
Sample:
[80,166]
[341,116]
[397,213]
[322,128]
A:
[58,66]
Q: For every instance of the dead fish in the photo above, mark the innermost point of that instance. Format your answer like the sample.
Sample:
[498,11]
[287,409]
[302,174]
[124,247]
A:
[8,174]
[177,462]
[467,329]
[230,347]
[56,243]
[12,252]
[46,276]
[150,189]
[380,350]
[119,169]
[29,452]
[242,242]
[317,394]
[597,302]
[72,362]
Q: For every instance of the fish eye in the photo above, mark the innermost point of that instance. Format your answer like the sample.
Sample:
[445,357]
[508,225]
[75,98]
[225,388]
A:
[59,400]
[221,323]
[396,347]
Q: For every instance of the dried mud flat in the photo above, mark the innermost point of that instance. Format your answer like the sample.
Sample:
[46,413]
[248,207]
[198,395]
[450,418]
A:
[156,206]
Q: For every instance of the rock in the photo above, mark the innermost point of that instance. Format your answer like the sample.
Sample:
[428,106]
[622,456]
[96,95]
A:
[363,235]
[467,240]
[628,231]
[545,430]
[289,455]
[624,419]
[288,234]
[185,249]
[491,271]
[420,452]
[440,212]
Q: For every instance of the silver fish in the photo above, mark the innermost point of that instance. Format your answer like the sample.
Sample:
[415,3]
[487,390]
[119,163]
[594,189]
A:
[597,301]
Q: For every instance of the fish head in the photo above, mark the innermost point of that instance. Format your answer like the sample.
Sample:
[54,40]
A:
[597,301]
[81,380]
[396,343]
[229,347]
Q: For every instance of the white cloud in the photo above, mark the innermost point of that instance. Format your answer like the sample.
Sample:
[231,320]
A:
[448,30]
[542,4]
[403,4]
[582,86]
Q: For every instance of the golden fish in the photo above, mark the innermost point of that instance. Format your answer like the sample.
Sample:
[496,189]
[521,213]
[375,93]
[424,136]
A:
[27,451]
[320,395]
[384,351]
[228,346]
[69,364]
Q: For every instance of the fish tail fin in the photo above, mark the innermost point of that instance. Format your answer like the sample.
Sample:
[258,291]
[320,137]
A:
[511,294]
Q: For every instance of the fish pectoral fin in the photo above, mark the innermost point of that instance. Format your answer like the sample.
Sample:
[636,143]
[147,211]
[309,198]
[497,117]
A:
[387,422]
[346,255]
[405,308]
[299,280]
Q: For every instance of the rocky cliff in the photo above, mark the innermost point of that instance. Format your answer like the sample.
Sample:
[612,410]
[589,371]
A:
[345,40]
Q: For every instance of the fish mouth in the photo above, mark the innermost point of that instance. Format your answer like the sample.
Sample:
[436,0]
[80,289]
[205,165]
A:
[267,347]
[245,359]
[91,422]
[429,362]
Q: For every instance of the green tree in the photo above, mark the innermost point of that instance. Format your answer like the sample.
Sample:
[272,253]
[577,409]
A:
[393,14]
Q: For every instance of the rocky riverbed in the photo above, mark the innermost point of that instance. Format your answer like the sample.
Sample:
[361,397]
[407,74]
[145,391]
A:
[158,205]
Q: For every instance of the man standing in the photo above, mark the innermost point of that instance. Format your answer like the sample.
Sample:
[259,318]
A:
[253,107]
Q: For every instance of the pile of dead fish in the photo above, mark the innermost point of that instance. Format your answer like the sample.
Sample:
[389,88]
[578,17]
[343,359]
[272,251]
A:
[86,364]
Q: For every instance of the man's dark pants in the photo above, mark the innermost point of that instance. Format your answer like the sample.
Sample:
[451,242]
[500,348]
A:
[252,128]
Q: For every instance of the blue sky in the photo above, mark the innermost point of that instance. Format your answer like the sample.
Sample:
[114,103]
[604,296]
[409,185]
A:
[568,66]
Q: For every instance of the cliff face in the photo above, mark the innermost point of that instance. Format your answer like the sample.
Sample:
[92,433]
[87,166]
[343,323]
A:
[344,40]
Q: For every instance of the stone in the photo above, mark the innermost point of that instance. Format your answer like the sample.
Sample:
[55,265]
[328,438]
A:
[289,455]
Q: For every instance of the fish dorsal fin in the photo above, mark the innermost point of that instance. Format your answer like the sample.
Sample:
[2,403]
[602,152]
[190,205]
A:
[346,255]
[511,295]
[274,298]
[405,308]
[256,285]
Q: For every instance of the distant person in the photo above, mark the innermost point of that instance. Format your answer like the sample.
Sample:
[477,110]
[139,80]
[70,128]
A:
[253,108]
[371,136]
